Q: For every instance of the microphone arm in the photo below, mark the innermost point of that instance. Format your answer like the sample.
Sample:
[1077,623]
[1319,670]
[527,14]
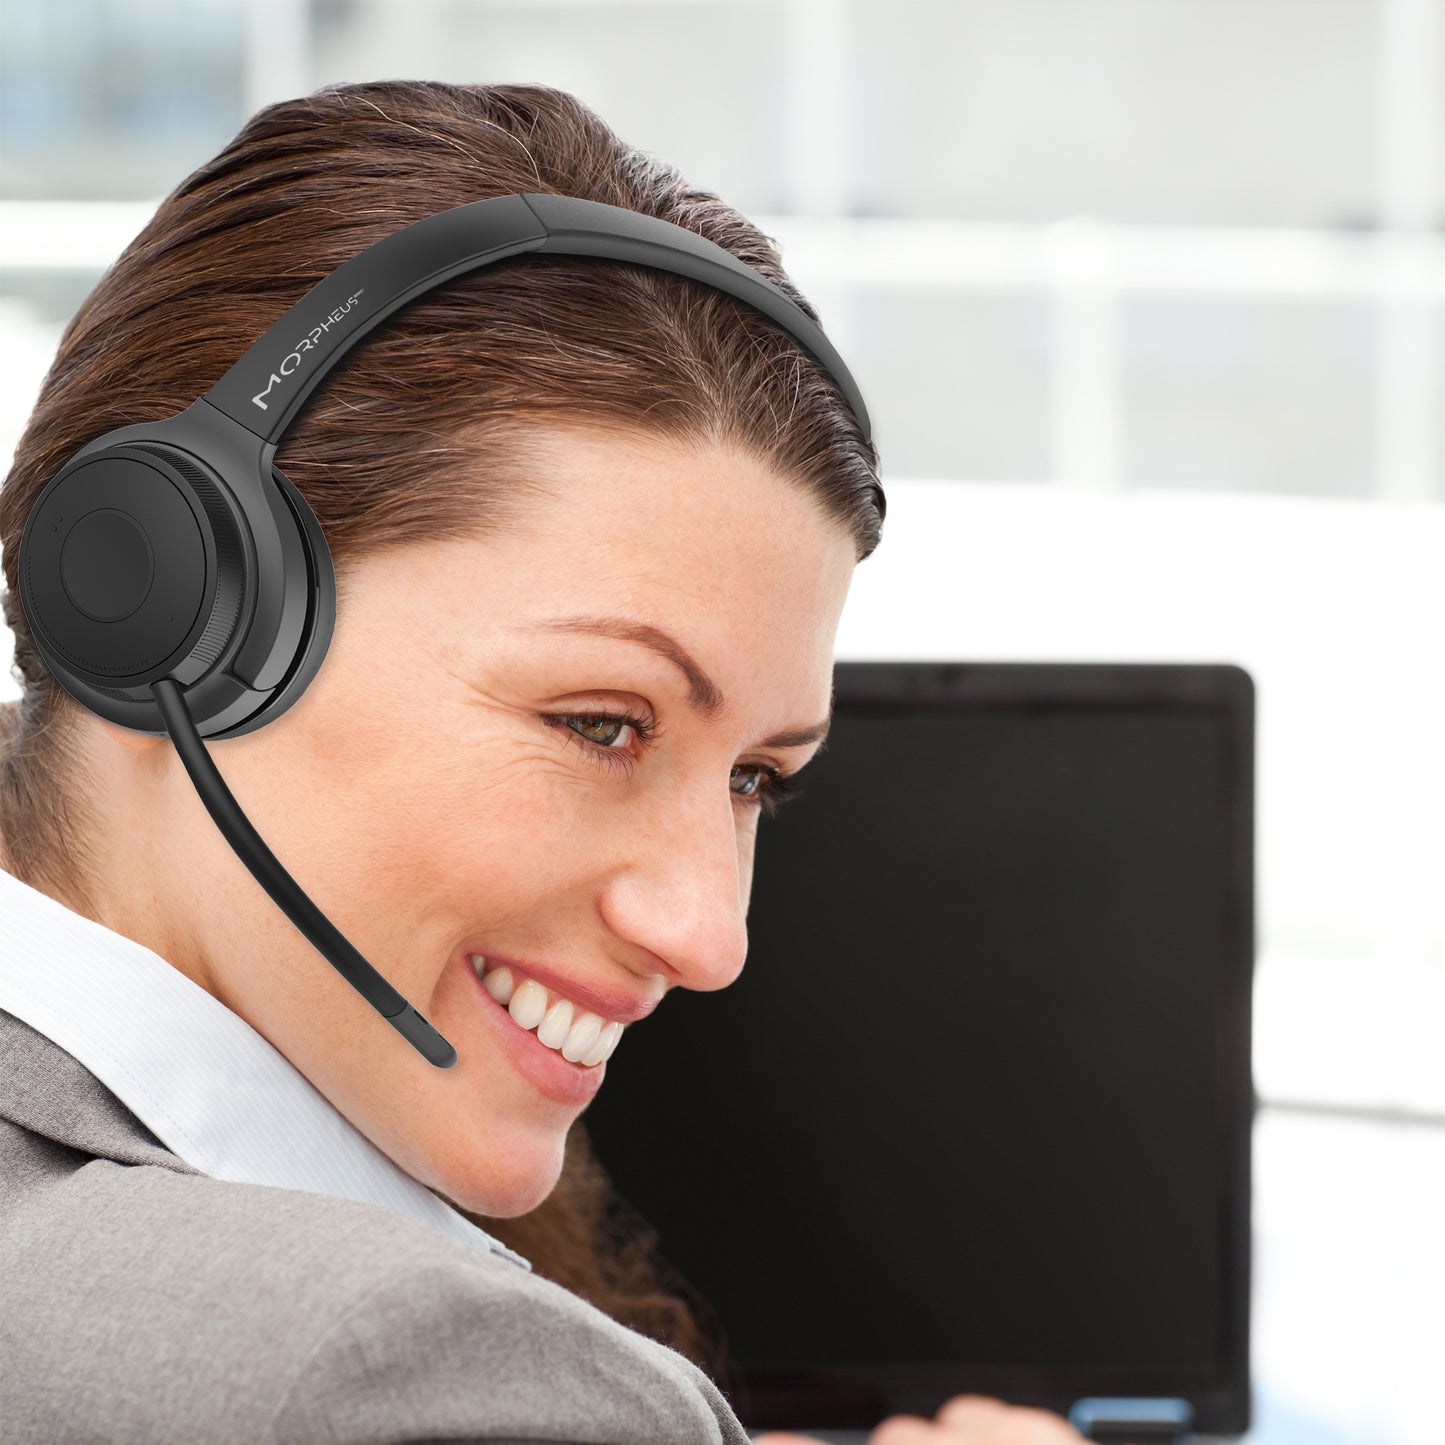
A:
[266,868]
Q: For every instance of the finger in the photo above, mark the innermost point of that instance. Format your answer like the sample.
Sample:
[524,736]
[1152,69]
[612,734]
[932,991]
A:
[1049,1428]
[908,1430]
[985,1419]
[972,1412]
[1038,1427]
[778,1437]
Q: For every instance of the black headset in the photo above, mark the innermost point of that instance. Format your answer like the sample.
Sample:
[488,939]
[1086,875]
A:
[176,583]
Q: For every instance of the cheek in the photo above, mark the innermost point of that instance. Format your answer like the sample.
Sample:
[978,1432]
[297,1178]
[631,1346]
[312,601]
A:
[488,828]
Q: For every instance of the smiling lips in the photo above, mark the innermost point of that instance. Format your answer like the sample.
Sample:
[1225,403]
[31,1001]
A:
[580,1036]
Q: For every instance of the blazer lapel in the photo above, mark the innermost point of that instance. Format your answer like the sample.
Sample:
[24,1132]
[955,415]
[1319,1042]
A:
[51,1093]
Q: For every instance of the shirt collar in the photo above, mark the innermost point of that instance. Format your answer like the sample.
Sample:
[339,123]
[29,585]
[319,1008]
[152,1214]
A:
[215,1091]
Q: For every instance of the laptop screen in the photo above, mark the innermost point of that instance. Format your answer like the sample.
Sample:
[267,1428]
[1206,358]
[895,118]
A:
[975,1114]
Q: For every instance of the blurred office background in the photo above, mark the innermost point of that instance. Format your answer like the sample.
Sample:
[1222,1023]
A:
[1147,298]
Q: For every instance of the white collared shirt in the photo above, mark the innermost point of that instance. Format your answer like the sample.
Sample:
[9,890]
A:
[201,1079]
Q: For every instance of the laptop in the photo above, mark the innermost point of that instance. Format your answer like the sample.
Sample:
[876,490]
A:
[976,1115]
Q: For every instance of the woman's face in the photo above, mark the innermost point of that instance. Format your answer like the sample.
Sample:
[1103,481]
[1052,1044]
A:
[452,784]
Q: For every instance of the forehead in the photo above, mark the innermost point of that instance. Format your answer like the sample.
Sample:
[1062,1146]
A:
[646,515]
[661,493]
[741,565]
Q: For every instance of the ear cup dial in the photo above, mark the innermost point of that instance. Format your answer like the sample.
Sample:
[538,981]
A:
[132,567]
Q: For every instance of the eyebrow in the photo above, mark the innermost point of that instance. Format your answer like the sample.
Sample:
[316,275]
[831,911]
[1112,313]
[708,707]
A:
[704,696]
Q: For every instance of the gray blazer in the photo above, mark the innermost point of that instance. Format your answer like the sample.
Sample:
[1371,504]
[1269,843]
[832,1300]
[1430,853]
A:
[143,1301]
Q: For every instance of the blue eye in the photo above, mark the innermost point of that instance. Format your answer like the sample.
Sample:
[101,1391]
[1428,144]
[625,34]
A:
[755,778]
[770,788]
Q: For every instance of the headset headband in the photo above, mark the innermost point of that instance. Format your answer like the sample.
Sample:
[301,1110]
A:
[265,389]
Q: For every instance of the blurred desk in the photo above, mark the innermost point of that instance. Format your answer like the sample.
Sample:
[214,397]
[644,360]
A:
[1349,1324]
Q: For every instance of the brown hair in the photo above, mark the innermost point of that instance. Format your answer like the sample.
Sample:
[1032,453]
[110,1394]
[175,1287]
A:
[418,434]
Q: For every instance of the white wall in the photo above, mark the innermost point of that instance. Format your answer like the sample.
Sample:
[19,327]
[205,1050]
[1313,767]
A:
[1334,608]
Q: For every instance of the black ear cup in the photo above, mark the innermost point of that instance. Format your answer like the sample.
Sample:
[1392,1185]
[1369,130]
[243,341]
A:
[138,562]
[317,608]
[133,568]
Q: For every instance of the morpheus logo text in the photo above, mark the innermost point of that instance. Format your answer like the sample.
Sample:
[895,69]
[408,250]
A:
[292,361]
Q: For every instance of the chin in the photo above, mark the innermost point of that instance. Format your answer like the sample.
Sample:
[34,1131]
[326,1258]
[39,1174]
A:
[500,1193]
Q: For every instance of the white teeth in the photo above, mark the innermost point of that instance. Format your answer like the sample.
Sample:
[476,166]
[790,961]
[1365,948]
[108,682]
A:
[500,984]
[529,1003]
[581,1037]
[602,1049]
[554,1028]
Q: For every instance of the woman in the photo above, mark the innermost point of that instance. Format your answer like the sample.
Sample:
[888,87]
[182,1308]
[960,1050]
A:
[593,528]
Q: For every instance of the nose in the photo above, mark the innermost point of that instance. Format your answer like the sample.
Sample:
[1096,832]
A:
[682,893]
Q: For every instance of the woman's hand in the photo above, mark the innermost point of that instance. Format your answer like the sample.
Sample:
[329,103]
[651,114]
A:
[963,1420]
